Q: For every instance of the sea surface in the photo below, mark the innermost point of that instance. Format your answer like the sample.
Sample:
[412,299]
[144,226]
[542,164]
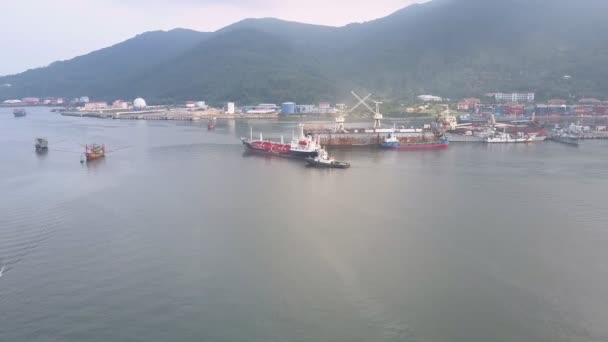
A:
[179,236]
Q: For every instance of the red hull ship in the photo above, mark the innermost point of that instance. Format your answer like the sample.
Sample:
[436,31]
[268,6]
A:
[302,147]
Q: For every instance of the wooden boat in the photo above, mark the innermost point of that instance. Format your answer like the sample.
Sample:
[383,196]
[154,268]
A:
[94,151]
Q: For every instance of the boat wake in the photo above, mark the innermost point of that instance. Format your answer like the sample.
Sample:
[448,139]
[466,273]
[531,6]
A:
[24,233]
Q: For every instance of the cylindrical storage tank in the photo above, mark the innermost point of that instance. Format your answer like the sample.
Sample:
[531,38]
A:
[288,108]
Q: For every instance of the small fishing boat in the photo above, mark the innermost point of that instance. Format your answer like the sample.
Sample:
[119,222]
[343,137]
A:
[211,124]
[323,160]
[94,151]
[19,112]
[41,144]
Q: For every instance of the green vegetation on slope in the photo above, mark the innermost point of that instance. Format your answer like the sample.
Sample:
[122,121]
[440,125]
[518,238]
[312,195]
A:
[451,48]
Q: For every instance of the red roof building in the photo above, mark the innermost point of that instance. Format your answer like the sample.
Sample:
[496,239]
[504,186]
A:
[468,104]
[514,109]
[600,110]
[557,102]
[590,101]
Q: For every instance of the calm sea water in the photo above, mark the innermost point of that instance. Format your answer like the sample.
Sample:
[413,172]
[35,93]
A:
[176,236]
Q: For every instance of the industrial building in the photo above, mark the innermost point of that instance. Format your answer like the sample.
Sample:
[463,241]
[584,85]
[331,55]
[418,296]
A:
[95,106]
[430,98]
[514,97]
[230,108]
[468,104]
[305,109]
[288,108]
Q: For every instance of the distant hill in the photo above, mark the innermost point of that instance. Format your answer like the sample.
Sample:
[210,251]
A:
[99,72]
[452,48]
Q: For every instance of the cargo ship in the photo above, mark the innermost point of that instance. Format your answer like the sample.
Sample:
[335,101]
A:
[392,142]
[94,151]
[302,146]
[19,112]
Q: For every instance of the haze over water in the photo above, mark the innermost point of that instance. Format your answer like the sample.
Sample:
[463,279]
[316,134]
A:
[176,236]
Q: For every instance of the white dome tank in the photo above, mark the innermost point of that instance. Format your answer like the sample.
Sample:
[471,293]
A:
[139,103]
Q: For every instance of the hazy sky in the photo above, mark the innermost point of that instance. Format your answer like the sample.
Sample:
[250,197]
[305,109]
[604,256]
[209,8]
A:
[37,32]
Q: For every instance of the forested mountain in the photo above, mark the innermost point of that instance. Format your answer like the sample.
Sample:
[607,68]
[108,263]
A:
[451,48]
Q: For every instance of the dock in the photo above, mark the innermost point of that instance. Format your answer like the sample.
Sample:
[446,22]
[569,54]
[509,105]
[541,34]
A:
[163,114]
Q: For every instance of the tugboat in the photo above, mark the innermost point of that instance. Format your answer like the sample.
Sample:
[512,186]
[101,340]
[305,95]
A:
[323,160]
[393,142]
[19,112]
[303,146]
[94,151]
[41,144]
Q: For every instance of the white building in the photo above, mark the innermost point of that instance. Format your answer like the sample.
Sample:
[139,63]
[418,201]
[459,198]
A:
[430,98]
[514,97]
[95,106]
[230,108]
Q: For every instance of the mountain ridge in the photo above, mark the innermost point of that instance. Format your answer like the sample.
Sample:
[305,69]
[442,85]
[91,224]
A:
[452,48]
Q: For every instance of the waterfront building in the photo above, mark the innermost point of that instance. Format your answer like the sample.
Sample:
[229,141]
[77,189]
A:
[430,98]
[95,106]
[590,101]
[30,100]
[468,104]
[556,102]
[120,104]
[230,108]
[305,109]
[513,109]
[514,97]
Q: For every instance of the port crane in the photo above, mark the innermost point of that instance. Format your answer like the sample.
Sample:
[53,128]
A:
[341,118]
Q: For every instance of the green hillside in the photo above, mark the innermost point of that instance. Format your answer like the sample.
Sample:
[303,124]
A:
[451,48]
